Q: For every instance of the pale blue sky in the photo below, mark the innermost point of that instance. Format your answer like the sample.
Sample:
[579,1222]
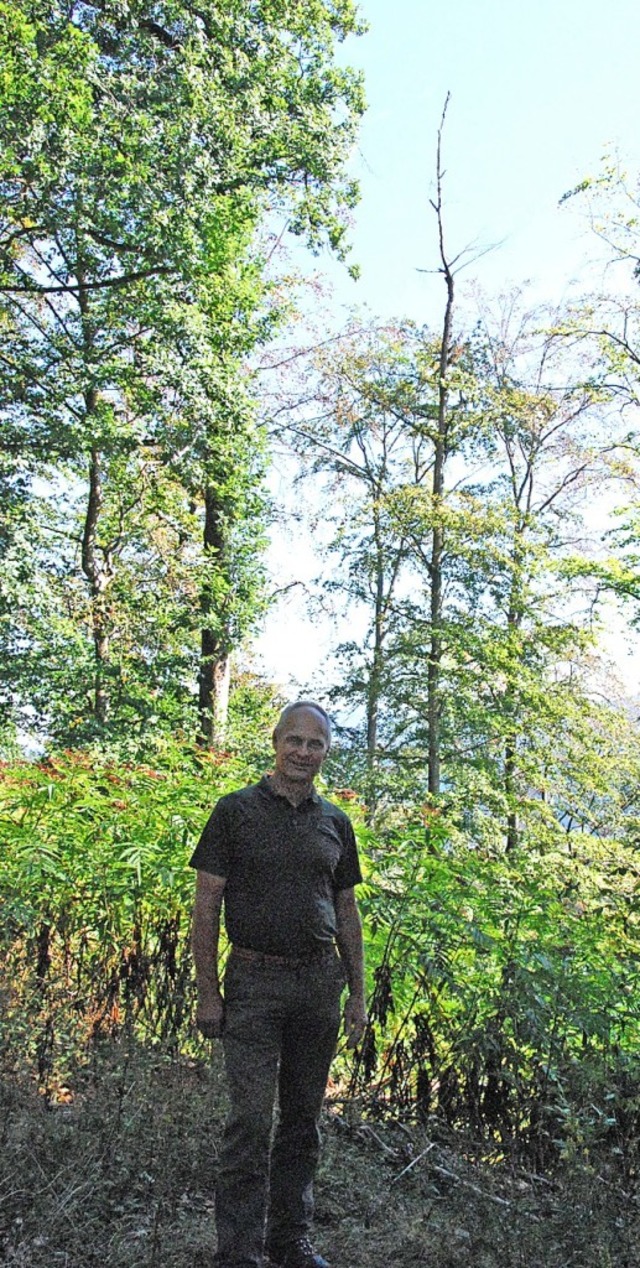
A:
[539,92]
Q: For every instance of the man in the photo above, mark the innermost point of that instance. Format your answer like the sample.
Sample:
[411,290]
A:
[284,861]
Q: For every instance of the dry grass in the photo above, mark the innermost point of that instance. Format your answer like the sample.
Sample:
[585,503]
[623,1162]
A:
[122,1172]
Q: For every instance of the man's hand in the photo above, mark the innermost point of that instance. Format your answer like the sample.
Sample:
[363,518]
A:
[209,1016]
[355,1019]
[349,939]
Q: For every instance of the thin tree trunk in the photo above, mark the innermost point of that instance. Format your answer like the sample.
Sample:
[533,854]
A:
[375,676]
[509,788]
[97,574]
[373,699]
[96,569]
[437,536]
[514,622]
[215,663]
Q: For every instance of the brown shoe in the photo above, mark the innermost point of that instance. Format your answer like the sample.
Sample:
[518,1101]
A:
[296,1254]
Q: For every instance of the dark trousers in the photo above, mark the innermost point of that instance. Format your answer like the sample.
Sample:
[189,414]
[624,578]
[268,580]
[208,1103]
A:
[280,1031]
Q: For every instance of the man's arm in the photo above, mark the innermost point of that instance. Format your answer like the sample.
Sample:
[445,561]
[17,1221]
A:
[204,943]
[349,939]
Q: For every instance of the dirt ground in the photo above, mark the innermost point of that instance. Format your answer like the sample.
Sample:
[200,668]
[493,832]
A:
[117,1167]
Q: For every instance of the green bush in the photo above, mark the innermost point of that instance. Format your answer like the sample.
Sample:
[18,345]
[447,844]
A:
[505,989]
[503,986]
[97,895]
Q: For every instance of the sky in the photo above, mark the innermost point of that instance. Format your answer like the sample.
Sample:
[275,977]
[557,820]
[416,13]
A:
[539,93]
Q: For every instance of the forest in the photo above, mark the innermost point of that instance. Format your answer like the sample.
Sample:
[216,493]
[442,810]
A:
[473,490]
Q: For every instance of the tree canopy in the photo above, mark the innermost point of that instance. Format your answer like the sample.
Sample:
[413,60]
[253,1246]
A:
[145,161]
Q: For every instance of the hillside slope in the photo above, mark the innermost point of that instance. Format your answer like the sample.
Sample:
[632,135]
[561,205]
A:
[119,1169]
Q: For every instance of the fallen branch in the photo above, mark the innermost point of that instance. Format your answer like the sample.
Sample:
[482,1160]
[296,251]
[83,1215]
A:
[413,1163]
[365,1130]
[490,1197]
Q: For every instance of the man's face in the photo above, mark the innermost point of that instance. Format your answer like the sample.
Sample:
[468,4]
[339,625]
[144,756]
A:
[301,746]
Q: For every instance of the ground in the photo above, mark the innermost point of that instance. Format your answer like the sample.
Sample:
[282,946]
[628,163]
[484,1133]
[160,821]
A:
[117,1167]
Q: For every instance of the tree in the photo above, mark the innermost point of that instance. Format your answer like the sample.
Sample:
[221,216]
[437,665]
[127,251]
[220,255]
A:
[608,325]
[442,447]
[527,451]
[139,157]
[518,664]
[367,441]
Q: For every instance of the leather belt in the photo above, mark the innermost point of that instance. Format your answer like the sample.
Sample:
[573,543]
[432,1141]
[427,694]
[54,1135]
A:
[281,961]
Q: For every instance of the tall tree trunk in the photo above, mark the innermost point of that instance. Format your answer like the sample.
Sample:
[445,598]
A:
[96,564]
[437,537]
[511,840]
[374,687]
[373,701]
[374,691]
[514,623]
[215,662]
[437,551]
[213,691]
[97,573]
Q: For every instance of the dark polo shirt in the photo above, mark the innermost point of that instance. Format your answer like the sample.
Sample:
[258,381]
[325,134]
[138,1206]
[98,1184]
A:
[283,865]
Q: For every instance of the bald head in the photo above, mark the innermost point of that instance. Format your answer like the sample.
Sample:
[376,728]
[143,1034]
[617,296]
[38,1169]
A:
[291,709]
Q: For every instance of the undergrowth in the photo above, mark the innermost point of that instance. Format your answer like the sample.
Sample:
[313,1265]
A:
[120,1170]
[490,1118]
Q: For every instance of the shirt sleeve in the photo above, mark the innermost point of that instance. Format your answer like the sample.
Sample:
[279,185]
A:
[213,852]
[347,873]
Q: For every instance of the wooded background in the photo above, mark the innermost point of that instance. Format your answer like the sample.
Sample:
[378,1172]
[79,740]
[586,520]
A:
[477,483]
